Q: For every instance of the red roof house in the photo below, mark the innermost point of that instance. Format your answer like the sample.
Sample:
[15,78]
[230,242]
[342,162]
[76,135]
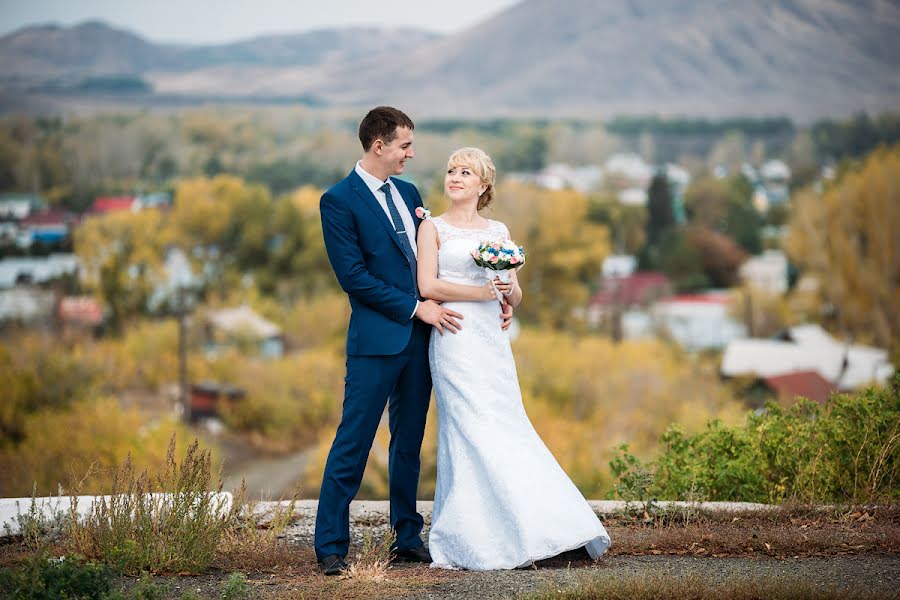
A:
[808,384]
[110,204]
[634,290]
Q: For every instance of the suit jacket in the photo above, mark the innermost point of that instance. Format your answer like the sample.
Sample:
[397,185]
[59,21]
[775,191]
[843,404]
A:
[366,256]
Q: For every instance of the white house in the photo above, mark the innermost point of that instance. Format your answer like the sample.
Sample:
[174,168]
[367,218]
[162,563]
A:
[698,321]
[36,269]
[243,322]
[630,167]
[767,272]
[808,348]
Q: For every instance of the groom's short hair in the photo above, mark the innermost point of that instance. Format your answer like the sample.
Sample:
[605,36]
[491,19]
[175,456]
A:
[381,123]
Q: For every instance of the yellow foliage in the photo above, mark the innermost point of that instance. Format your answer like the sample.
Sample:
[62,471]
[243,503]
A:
[121,257]
[318,322]
[306,200]
[287,400]
[145,357]
[77,448]
[847,237]
[565,250]
[205,209]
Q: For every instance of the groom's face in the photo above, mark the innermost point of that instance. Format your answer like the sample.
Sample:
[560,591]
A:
[395,154]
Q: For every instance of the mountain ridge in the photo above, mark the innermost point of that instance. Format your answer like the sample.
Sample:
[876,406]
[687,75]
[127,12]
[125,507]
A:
[598,58]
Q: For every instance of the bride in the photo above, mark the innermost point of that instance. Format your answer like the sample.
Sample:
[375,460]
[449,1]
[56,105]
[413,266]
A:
[501,501]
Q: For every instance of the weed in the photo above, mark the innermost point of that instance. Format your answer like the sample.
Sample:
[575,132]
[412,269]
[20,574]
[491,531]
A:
[172,524]
[235,587]
[373,560]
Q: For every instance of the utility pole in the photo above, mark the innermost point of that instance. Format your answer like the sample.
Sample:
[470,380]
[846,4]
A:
[183,396]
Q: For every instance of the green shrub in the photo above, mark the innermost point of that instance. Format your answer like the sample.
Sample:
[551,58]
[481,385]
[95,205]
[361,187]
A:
[847,450]
[54,578]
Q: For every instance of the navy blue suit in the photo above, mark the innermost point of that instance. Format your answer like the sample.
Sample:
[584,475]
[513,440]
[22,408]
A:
[387,361]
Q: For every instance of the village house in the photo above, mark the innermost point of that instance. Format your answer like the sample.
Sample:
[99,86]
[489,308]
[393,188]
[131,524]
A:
[804,357]
[700,321]
[242,326]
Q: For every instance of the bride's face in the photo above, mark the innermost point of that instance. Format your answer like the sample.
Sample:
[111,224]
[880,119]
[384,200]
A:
[462,183]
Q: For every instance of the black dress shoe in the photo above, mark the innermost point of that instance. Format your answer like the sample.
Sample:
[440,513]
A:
[419,554]
[332,564]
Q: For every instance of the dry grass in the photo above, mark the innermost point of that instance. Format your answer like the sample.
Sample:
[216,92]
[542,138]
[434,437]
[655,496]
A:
[616,586]
[172,522]
[253,543]
[373,560]
[781,532]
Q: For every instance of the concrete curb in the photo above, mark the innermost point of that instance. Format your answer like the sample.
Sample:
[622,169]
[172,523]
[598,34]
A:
[363,512]
[52,507]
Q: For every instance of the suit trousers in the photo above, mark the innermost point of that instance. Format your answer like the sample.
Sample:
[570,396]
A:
[403,382]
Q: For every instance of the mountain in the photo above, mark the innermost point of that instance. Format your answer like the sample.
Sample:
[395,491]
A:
[597,58]
[94,48]
[601,57]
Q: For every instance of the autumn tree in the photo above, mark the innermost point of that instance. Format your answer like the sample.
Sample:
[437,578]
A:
[720,255]
[565,249]
[121,256]
[847,237]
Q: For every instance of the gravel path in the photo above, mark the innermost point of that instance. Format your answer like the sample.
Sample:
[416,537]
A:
[878,574]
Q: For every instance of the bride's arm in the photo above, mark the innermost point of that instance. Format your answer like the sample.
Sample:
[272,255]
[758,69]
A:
[429,284]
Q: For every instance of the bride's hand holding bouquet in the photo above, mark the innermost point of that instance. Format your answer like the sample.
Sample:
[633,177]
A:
[499,258]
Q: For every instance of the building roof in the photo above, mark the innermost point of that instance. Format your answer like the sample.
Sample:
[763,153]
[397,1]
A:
[712,297]
[808,384]
[106,204]
[635,289]
[80,309]
[46,218]
[808,348]
[243,320]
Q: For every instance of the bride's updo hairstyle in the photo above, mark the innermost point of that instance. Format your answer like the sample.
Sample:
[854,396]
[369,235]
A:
[477,160]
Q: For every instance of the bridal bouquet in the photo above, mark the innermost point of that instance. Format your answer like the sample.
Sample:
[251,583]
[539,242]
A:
[498,258]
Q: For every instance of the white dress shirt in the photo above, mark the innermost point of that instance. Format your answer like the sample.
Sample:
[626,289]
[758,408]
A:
[374,184]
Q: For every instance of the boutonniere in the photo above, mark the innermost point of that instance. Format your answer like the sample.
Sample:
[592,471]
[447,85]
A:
[423,213]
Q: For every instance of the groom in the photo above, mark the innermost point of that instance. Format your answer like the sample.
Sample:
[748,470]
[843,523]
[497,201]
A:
[369,226]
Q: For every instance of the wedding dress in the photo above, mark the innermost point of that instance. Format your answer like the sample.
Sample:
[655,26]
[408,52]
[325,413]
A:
[501,501]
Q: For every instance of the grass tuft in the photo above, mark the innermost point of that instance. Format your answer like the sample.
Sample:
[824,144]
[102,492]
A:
[172,523]
[373,561]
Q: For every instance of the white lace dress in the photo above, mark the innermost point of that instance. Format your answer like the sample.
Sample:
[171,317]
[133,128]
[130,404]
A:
[502,500]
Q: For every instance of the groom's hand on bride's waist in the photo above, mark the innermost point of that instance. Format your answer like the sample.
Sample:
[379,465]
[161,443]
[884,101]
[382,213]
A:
[439,317]
[431,312]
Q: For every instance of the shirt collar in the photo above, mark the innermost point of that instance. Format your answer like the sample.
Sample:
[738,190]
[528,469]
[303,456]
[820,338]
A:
[373,183]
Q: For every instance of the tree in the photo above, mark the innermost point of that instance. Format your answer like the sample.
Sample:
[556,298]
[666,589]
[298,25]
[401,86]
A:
[122,255]
[680,260]
[660,215]
[720,255]
[847,237]
[565,250]
[726,206]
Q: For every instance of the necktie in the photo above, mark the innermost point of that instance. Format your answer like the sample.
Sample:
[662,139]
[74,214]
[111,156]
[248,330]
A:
[400,229]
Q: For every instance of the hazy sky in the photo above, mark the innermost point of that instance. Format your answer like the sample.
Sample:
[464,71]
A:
[201,21]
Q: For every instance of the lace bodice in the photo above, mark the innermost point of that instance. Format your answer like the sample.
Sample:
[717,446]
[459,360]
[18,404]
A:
[456,244]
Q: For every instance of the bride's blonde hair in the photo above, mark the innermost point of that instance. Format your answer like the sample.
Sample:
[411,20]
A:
[477,160]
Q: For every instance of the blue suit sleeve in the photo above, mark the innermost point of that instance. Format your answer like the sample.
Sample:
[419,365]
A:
[342,246]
